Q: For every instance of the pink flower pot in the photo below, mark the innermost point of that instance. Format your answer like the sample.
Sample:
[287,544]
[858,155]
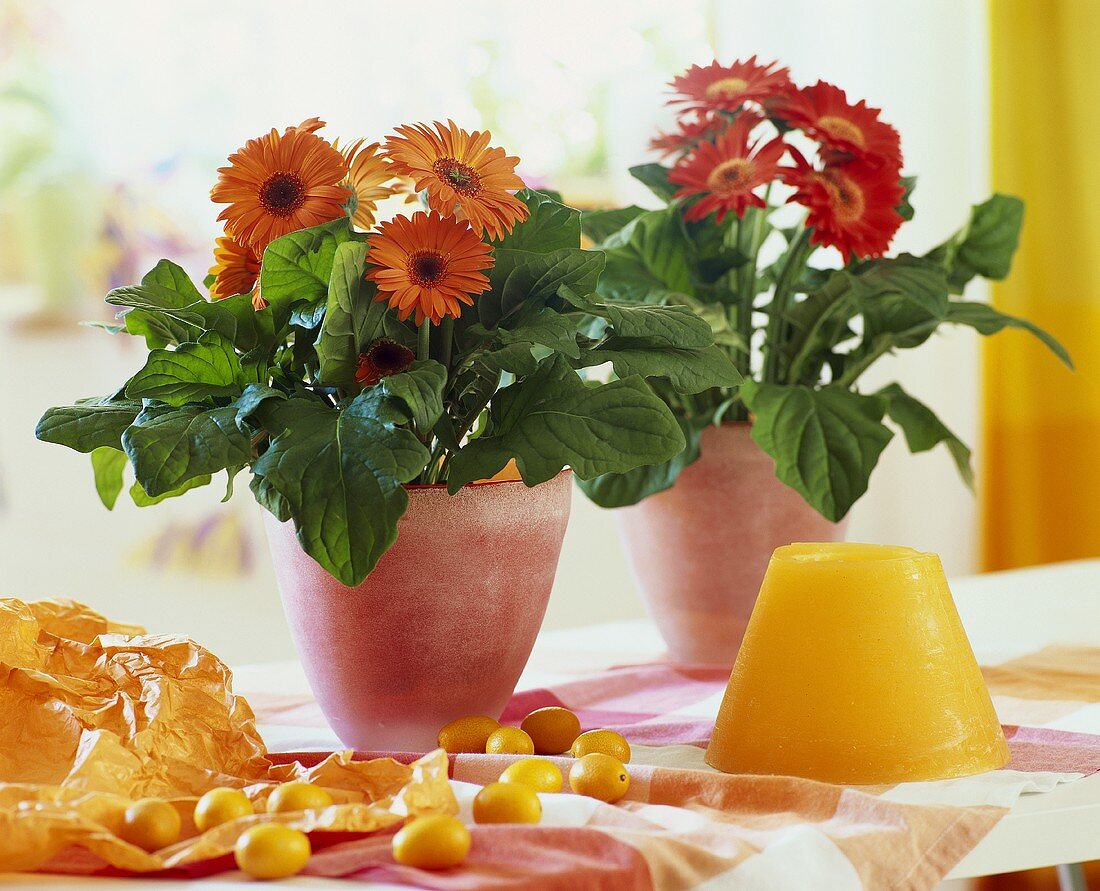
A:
[444,624]
[699,550]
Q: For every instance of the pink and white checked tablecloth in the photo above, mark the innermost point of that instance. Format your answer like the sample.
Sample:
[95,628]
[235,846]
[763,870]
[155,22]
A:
[684,825]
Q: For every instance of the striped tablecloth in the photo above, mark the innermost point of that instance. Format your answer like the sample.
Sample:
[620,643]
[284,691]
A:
[684,825]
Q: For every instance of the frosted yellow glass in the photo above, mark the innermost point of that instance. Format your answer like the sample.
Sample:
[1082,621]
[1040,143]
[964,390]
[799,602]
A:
[855,669]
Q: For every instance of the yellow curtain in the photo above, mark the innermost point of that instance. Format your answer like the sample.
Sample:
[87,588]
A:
[1041,451]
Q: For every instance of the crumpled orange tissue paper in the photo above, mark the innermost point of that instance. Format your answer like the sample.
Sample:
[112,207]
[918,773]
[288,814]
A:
[94,715]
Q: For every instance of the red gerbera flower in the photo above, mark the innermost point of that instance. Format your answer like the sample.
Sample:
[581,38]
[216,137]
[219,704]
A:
[852,206]
[718,87]
[687,134]
[382,358]
[726,171]
[824,113]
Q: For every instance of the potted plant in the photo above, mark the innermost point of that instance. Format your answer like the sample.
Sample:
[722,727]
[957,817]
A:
[780,205]
[406,400]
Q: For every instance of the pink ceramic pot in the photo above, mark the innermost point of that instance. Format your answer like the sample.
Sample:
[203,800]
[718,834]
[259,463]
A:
[444,624]
[699,550]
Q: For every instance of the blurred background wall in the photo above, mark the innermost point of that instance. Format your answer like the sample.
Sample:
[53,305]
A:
[115,115]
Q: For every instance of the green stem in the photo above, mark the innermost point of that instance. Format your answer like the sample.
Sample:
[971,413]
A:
[424,340]
[797,255]
[446,341]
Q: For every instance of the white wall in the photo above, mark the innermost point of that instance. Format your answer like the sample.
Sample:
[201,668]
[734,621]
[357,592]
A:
[923,61]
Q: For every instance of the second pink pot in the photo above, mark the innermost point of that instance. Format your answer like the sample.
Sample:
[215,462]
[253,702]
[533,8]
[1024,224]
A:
[444,624]
[698,551]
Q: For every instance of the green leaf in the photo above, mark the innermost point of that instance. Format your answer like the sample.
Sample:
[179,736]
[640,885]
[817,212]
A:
[515,358]
[296,268]
[923,430]
[601,224]
[623,489]
[655,178]
[170,446]
[164,316]
[648,260]
[674,326]
[984,319]
[523,281]
[545,327]
[985,245]
[143,499]
[190,373]
[107,465]
[340,474]
[904,297]
[689,370]
[825,442]
[551,419]
[353,317]
[420,388]
[550,226]
[254,396]
[268,497]
[168,275]
[89,424]
[905,209]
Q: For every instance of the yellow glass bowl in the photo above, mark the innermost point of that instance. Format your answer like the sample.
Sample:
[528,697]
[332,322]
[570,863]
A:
[855,669]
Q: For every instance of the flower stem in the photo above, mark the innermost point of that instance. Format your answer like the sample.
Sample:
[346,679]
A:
[424,342]
[797,255]
[446,339]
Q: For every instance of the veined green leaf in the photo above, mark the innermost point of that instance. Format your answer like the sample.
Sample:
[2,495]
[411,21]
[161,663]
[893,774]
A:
[673,326]
[420,388]
[339,474]
[601,224]
[688,370]
[985,245]
[825,442]
[169,275]
[550,226]
[143,499]
[353,317]
[985,319]
[171,446]
[545,327]
[551,419]
[923,430]
[622,489]
[522,281]
[190,373]
[655,178]
[297,267]
[648,260]
[89,424]
[107,465]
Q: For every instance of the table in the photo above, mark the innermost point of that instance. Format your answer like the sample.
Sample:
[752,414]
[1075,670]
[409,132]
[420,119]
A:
[1006,615]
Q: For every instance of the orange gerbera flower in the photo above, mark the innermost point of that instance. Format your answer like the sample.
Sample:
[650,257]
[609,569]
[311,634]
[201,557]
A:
[687,134]
[368,175]
[429,265]
[824,113]
[236,269]
[726,171]
[460,168]
[852,206]
[716,87]
[280,183]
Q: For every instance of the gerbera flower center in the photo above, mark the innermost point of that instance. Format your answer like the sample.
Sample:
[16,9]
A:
[841,128]
[732,176]
[726,88]
[282,193]
[427,268]
[460,177]
[847,197]
[390,357]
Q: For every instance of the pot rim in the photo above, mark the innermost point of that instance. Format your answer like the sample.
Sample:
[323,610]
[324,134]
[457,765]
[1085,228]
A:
[421,487]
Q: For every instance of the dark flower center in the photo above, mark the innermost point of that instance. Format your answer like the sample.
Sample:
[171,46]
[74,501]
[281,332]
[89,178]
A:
[460,177]
[847,197]
[732,176]
[390,357]
[282,194]
[427,268]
